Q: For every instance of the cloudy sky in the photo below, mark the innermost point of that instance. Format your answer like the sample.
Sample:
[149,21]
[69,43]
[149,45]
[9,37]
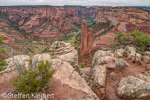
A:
[77,2]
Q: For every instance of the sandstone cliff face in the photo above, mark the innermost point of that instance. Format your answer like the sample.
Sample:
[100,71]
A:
[86,39]
[41,21]
[125,19]
[85,12]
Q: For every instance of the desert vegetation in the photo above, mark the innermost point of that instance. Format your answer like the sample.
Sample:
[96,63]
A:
[137,39]
[2,62]
[35,79]
[82,65]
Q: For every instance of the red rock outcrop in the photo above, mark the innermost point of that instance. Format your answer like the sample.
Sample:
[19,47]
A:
[86,39]
[125,19]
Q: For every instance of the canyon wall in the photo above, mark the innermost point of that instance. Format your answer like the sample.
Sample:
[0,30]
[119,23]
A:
[46,22]
[86,12]
[125,19]
[86,39]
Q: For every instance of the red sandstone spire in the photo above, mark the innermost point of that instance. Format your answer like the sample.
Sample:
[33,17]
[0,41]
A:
[90,40]
[86,40]
[83,49]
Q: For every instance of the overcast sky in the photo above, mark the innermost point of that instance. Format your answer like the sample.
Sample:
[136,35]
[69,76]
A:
[77,2]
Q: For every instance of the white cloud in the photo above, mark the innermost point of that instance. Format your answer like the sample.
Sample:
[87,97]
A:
[77,2]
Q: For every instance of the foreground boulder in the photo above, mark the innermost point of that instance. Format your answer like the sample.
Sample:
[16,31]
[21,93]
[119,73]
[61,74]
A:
[99,78]
[100,60]
[65,52]
[146,59]
[102,57]
[132,56]
[130,52]
[133,87]
[119,53]
[39,57]
[17,60]
[145,76]
[138,59]
[67,76]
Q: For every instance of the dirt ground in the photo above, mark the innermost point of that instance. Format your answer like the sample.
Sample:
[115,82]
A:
[114,77]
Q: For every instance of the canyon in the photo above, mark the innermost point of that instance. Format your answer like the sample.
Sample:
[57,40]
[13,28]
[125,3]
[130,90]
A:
[84,12]
[78,39]
[17,23]
[43,22]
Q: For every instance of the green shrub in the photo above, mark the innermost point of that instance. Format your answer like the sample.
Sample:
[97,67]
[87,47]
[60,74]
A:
[137,39]
[76,30]
[76,48]
[82,65]
[75,42]
[35,79]
[2,62]
[67,37]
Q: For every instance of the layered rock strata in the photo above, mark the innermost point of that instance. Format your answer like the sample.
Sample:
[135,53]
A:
[125,19]
[65,52]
